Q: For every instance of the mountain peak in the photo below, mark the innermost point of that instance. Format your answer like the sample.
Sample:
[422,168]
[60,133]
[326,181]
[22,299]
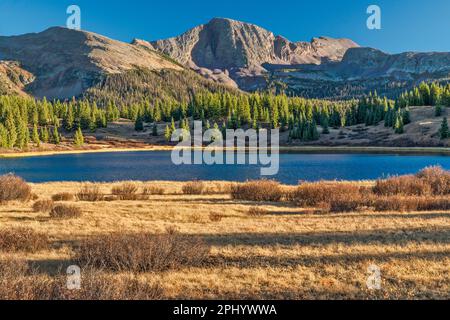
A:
[241,48]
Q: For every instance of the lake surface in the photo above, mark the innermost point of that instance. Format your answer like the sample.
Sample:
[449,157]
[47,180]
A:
[157,165]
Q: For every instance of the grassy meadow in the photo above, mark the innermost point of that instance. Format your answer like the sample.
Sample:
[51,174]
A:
[221,240]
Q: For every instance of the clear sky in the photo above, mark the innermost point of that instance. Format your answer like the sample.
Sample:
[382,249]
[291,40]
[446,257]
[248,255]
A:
[407,25]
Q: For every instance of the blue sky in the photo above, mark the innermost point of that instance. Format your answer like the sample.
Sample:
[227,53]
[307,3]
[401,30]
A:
[407,25]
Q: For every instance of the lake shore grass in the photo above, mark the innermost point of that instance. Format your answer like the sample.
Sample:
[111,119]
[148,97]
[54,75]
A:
[266,247]
[282,149]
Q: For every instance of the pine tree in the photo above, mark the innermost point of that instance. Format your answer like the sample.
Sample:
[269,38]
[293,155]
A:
[444,131]
[325,128]
[56,138]
[12,131]
[44,135]
[78,140]
[23,135]
[139,123]
[68,119]
[172,126]
[168,133]
[399,125]
[35,136]
[438,110]
[406,116]
[93,122]
[274,117]
[155,130]
[3,136]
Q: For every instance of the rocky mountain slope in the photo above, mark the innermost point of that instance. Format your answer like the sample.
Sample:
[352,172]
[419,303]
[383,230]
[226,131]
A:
[13,79]
[251,57]
[64,63]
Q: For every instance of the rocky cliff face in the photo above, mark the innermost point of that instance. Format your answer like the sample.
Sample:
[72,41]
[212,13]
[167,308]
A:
[226,44]
[66,62]
[14,79]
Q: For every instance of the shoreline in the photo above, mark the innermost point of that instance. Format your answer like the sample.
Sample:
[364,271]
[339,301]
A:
[283,149]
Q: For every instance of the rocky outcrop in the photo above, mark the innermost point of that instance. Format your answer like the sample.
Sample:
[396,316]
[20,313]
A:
[14,79]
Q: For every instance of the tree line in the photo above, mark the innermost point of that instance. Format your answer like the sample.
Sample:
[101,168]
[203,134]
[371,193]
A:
[25,120]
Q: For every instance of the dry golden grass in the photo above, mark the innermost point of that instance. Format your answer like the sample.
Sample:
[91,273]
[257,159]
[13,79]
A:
[126,191]
[63,196]
[63,211]
[43,206]
[194,187]
[289,252]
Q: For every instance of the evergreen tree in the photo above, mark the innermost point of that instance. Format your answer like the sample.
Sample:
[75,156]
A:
[45,135]
[23,135]
[172,126]
[78,140]
[35,136]
[56,138]
[3,136]
[444,131]
[325,128]
[69,119]
[168,133]
[139,123]
[12,131]
[438,110]
[155,130]
[399,124]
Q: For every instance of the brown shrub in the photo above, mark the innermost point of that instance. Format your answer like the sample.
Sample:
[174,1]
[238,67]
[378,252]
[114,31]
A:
[65,212]
[258,190]
[433,203]
[153,190]
[409,203]
[430,181]
[126,191]
[396,203]
[14,188]
[403,185]
[437,178]
[22,239]
[346,205]
[257,211]
[20,282]
[315,193]
[43,206]
[194,188]
[64,196]
[89,193]
[141,252]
